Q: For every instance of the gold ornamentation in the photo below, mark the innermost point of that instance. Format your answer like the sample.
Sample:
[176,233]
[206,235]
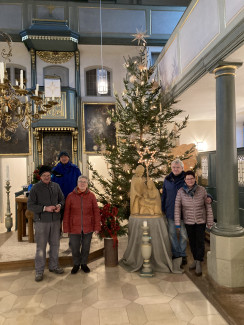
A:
[33,58]
[55,57]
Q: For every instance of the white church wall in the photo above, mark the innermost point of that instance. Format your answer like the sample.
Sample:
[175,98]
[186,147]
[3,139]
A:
[240,134]
[18,178]
[200,131]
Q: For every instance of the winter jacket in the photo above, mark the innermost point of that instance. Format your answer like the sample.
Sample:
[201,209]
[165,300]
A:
[194,208]
[81,213]
[170,188]
[42,194]
[66,176]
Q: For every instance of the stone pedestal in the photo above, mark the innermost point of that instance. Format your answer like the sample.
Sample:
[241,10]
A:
[225,260]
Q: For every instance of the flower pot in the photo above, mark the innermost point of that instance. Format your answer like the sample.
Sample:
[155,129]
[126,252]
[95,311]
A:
[110,252]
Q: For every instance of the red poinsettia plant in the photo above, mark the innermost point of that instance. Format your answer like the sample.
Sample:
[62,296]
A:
[111,223]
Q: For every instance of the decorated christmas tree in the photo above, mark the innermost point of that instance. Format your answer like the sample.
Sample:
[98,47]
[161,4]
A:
[146,133]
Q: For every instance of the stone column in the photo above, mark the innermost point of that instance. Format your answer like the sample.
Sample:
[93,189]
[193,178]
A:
[228,223]
[225,259]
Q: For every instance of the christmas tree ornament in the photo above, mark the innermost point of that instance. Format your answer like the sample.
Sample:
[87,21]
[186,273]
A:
[140,36]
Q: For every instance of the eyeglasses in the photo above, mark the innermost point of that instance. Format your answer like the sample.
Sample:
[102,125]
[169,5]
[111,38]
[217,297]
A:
[190,179]
[82,182]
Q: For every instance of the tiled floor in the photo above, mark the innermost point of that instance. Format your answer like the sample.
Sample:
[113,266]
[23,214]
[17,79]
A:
[106,296]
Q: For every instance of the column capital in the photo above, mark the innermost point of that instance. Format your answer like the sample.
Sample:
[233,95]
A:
[224,67]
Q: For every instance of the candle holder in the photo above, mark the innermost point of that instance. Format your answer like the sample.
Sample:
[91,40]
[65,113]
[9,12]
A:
[146,250]
[8,214]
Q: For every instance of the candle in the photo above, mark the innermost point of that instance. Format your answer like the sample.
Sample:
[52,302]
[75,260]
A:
[6,109]
[1,72]
[37,89]
[21,79]
[16,82]
[26,99]
[144,223]
[7,172]
[34,108]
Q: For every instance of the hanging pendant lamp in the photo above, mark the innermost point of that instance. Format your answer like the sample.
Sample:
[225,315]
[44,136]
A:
[102,80]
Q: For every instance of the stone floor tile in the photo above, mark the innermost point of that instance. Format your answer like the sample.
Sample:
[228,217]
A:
[21,320]
[201,307]
[136,314]
[153,300]
[2,319]
[190,296]
[64,297]
[129,291]
[7,302]
[209,319]
[146,290]
[158,312]
[90,295]
[115,303]
[49,299]
[167,288]
[38,320]
[4,293]
[180,309]
[69,318]
[115,316]
[27,301]
[106,293]
[186,286]
[90,316]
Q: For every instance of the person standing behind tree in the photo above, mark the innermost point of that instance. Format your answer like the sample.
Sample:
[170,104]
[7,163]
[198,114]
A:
[191,201]
[46,200]
[65,174]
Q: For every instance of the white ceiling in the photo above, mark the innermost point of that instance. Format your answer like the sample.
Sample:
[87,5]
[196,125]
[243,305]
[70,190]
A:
[199,100]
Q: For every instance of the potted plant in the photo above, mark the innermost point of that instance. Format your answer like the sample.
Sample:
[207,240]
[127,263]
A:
[111,229]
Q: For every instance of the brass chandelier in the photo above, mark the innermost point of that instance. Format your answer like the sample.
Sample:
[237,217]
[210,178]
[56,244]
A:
[18,106]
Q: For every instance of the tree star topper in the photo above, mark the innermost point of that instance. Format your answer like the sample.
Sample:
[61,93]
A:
[140,36]
[146,152]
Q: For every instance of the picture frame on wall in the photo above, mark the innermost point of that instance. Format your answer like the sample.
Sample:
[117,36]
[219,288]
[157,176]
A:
[53,143]
[96,122]
[18,145]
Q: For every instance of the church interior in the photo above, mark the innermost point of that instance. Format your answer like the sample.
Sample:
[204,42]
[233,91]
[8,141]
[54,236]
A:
[53,54]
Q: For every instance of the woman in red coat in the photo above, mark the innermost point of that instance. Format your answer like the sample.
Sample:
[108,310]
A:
[81,219]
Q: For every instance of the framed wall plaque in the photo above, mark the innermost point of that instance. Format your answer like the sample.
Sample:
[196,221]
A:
[19,144]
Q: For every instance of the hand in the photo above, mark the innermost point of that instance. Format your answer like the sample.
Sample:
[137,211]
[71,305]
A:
[57,208]
[208,200]
[96,232]
[50,208]
[209,226]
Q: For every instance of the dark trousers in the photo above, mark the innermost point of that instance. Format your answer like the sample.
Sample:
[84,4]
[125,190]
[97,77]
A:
[196,235]
[80,247]
[46,232]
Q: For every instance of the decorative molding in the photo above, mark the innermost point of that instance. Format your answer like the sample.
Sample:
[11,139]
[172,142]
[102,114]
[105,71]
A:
[62,129]
[55,57]
[33,59]
[50,38]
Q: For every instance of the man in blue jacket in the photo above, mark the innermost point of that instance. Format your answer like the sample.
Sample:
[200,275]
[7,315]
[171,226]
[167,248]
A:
[66,175]
[172,183]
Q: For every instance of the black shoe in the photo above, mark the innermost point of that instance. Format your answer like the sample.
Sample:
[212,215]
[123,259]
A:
[75,269]
[85,268]
[39,277]
[184,260]
[58,270]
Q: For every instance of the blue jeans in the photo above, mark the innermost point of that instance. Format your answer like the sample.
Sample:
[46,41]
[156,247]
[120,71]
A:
[178,246]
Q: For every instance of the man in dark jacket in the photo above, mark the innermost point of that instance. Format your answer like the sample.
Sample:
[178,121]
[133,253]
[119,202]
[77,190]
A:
[172,183]
[46,200]
[65,174]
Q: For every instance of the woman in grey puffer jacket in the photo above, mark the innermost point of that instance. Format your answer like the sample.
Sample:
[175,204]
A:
[191,202]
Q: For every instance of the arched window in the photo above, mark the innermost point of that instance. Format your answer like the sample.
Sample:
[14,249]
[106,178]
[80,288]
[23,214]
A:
[91,82]
[57,71]
[13,72]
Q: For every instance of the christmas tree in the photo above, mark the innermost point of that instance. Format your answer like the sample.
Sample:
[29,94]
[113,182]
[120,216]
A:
[146,133]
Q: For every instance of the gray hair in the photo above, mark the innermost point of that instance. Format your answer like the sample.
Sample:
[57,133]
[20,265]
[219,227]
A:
[177,162]
[80,177]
